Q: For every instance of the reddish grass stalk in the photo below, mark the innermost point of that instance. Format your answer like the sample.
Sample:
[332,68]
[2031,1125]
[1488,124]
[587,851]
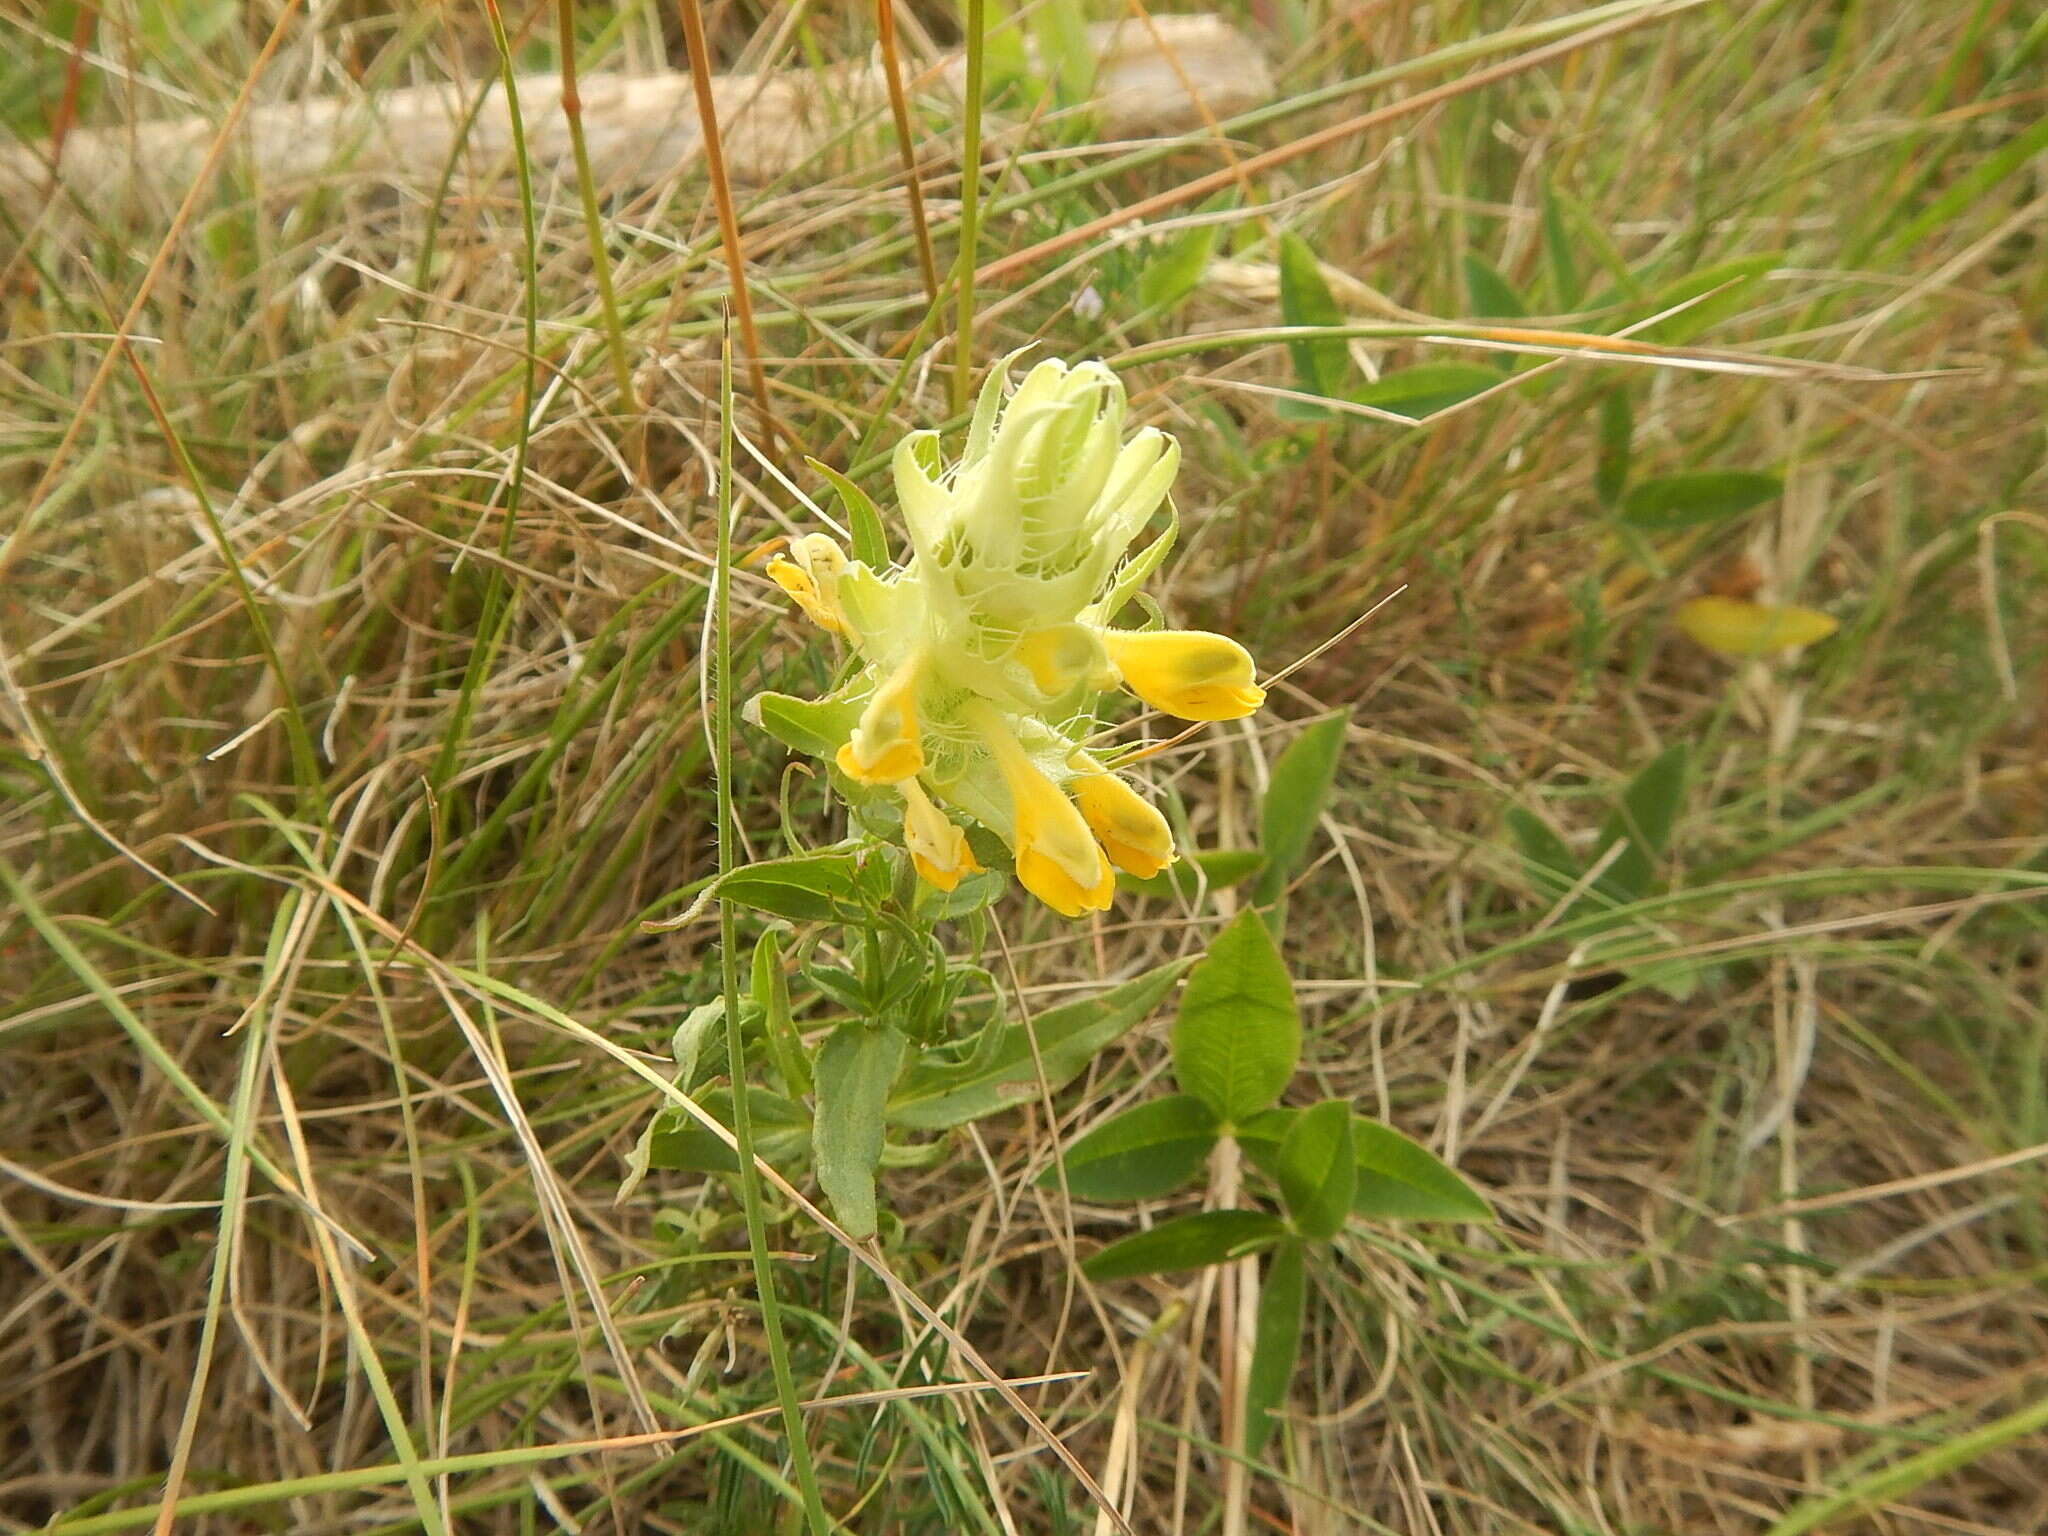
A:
[728,218]
[899,108]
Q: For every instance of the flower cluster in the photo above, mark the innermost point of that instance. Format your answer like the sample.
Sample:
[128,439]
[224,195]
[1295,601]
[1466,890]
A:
[977,664]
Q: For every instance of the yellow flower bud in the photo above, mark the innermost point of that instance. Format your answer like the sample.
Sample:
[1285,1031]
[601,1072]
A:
[1133,833]
[1186,672]
[1735,626]
[885,748]
[938,849]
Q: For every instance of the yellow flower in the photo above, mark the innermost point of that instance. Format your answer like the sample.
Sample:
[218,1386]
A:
[1735,626]
[1186,672]
[938,849]
[1057,859]
[811,578]
[1133,833]
[972,666]
[884,748]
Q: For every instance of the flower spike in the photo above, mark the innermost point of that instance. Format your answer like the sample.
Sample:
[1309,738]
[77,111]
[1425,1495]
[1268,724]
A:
[975,666]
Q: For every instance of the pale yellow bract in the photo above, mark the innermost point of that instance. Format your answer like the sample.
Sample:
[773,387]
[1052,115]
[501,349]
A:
[975,656]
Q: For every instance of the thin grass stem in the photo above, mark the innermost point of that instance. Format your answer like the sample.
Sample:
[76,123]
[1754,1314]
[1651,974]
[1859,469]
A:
[970,204]
[593,220]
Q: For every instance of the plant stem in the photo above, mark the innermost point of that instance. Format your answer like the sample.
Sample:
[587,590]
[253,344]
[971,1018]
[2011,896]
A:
[729,974]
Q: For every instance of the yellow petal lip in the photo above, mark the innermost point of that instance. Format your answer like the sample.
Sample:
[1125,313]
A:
[1058,860]
[938,849]
[1186,672]
[885,748]
[800,585]
[1130,828]
[1051,884]
[1734,626]
[897,761]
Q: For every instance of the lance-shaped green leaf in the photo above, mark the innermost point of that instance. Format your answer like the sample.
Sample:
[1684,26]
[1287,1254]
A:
[1617,438]
[1399,1180]
[1004,1070]
[1238,1037]
[1276,1342]
[1187,877]
[1644,816]
[856,1068]
[1489,293]
[1318,1169]
[809,887]
[1295,796]
[1322,364]
[1667,503]
[1148,1150]
[870,540]
[814,727]
[676,1142]
[1427,388]
[1187,1242]
[1177,264]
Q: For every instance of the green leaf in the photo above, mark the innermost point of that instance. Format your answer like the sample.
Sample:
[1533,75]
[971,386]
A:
[1322,364]
[1617,434]
[1548,860]
[1176,269]
[1003,1072]
[856,1067]
[1318,1169]
[1427,388]
[973,893]
[1186,878]
[1734,281]
[1669,502]
[675,1141]
[1186,1242]
[1565,282]
[1149,1150]
[688,1041]
[1238,1036]
[814,727]
[1061,32]
[770,992]
[1491,295]
[870,539]
[1259,1137]
[1276,1343]
[1399,1180]
[1295,796]
[808,887]
[1644,816]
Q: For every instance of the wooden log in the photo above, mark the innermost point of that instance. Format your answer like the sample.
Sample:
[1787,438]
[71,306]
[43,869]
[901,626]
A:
[641,128]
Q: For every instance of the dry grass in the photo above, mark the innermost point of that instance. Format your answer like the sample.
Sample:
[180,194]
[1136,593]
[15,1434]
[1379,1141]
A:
[1765,1227]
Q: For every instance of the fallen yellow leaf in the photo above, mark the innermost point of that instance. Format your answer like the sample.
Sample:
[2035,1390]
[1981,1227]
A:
[1735,626]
